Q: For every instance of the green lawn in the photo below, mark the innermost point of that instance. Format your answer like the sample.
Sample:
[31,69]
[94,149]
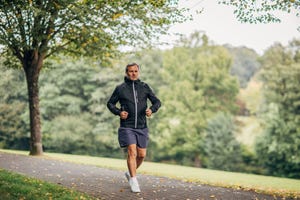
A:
[18,187]
[265,184]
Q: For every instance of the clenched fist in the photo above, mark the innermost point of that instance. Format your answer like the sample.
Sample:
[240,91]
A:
[124,115]
[148,112]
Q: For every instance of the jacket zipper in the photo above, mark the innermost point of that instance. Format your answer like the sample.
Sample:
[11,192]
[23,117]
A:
[135,103]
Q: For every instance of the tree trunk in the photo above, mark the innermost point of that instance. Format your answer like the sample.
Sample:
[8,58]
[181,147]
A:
[32,65]
[197,161]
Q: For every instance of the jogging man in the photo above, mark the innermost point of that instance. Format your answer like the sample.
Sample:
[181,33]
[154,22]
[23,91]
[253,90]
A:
[132,96]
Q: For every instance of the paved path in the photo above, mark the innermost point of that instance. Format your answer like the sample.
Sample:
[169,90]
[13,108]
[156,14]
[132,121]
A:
[111,184]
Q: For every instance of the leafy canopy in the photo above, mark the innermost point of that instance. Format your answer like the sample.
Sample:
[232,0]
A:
[262,11]
[280,143]
[196,85]
[82,27]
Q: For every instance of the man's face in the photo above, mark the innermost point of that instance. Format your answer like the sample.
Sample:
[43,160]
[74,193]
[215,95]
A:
[133,72]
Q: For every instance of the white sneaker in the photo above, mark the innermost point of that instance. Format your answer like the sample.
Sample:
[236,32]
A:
[127,175]
[134,185]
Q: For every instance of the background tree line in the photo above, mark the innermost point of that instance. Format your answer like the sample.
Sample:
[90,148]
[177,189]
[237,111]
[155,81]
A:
[34,30]
[198,83]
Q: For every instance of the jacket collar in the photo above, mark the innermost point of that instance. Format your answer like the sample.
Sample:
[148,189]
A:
[127,80]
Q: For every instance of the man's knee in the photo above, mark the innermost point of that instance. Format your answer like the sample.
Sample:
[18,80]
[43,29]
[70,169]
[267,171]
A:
[132,152]
[141,154]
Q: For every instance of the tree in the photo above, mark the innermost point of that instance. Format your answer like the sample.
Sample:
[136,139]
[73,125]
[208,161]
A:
[13,133]
[245,64]
[278,147]
[73,108]
[262,11]
[196,85]
[33,30]
[223,150]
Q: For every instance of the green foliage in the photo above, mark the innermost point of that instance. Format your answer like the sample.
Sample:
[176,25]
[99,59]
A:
[13,129]
[12,85]
[223,150]
[69,134]
[13,133]
[89,28]
[31,31]
[75,117]
[193,81]
[196,84]
[244,65]
[280,144]
[262,11]
[251,97]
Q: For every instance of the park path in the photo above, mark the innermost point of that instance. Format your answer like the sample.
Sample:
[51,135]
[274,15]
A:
[111,184]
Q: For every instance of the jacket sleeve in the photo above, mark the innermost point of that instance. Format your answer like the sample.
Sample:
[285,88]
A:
[154,100]
[111,104]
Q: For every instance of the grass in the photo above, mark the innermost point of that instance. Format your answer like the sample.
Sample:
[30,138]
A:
[263,184]
[18,187]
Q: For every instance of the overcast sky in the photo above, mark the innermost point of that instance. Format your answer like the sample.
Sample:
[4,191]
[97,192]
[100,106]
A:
[221,26]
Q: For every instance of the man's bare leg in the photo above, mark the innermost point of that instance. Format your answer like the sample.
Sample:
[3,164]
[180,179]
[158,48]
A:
[131,159]
[135,158]
[141,154]
[132,166]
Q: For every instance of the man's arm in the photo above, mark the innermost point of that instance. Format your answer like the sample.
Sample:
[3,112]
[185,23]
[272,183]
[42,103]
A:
[111,104]
[154,100]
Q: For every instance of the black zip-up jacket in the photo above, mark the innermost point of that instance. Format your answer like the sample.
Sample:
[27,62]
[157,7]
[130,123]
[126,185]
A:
[132,96]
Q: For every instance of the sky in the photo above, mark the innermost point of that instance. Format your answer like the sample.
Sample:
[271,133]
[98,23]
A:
[222,27]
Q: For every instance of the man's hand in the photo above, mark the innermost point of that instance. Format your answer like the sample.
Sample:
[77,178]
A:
[124,115]
[148,112]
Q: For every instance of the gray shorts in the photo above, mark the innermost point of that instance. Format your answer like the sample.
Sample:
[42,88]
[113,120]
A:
[129,136]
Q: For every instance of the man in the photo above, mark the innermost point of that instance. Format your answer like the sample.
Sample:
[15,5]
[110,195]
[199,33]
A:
[132,96]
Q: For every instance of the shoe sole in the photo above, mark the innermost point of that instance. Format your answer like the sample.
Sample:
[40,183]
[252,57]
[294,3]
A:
[136,191]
